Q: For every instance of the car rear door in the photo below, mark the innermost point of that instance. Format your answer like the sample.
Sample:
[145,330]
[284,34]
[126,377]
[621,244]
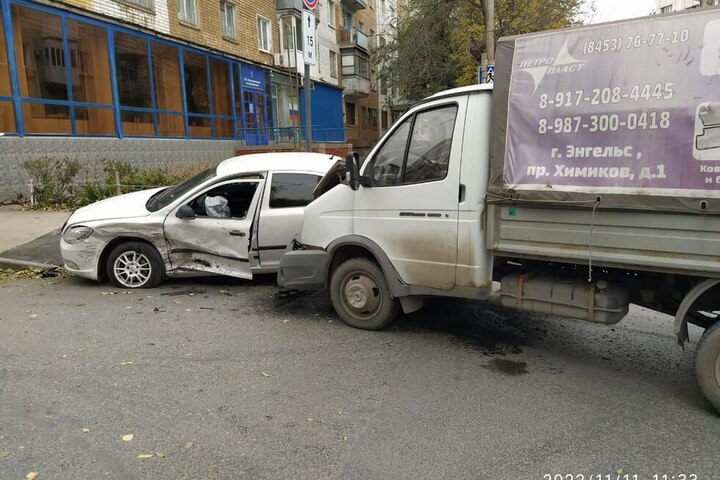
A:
[281,217]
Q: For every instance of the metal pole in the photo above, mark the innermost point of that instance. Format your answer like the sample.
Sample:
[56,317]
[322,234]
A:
[490,31]
[308,112]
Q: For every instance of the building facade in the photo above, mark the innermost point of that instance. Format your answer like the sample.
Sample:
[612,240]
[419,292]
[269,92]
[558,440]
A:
[667,6]
[154,81]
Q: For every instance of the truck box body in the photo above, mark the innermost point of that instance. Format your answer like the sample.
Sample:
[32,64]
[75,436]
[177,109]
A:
[607,138]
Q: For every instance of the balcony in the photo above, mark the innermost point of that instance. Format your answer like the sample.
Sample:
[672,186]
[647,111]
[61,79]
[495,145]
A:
[289,5]
[354,5]
[355,87]
[353,37]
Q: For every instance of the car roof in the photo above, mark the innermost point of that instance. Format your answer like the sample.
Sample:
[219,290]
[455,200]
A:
[284,161]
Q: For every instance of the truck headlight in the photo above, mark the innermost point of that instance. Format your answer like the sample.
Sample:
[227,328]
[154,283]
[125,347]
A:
[76,234]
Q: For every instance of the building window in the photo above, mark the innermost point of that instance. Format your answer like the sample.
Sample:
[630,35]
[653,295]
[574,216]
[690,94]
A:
[372,115]
[7,115]
[291,34]
[355,64]
[168,94]
[227,19]
[666,9]
[187,11]
[222,98]
[333,64]
[146,4]
[264,34]
[350,113]
[332,13]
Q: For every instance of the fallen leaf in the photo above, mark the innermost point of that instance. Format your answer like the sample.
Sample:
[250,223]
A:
[264,374]
[345,438]
[189,445]
[286,320]
[31,476]
[4,453]
[310,419]
[143,456]
[128,437]
[34,315]
[86,430]
[160,455]
[127,363]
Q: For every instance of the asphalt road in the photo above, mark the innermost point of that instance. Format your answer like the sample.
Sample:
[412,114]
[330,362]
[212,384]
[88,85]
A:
[221,379]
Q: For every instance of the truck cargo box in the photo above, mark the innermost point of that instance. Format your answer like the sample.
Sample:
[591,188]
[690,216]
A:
[627,113]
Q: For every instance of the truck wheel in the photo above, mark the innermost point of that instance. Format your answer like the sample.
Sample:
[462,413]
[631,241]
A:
[135,265]
[707,364]
[360,295]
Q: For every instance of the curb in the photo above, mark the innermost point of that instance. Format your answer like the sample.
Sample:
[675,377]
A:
[14,264]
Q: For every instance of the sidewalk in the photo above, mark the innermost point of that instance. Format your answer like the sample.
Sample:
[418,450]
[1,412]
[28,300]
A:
[30,238]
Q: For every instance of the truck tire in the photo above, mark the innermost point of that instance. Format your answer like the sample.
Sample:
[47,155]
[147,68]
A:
[135,265]
[360,295]
[707,364]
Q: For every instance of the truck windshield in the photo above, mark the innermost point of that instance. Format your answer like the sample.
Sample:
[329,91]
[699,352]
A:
[163,198]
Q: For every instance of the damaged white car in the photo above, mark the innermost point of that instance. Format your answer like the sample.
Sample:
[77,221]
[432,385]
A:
[235,219]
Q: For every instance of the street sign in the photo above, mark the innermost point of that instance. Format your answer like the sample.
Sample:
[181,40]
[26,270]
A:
[310,4]
[308,21]
[490,73]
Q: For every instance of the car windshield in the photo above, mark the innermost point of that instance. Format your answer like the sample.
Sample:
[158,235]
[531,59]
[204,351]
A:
[165,197]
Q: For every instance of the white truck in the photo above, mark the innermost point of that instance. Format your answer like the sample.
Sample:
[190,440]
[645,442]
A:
[587,179]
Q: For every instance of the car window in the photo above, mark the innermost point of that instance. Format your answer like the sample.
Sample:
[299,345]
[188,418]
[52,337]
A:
[292,189]
[166,197]
[230,200]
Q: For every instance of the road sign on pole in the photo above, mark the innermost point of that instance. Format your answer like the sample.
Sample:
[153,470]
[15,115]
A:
[308,21]
[310,4]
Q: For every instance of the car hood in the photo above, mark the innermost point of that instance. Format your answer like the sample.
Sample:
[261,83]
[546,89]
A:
[123,206]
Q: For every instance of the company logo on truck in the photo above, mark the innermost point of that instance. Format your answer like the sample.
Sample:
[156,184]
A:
[539,68]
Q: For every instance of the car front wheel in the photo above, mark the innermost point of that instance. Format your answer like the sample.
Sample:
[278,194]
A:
[135,265]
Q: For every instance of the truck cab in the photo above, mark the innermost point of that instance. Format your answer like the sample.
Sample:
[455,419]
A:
[415,213]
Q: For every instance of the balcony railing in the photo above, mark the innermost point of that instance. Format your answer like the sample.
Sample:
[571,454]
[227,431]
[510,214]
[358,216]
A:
[353,36]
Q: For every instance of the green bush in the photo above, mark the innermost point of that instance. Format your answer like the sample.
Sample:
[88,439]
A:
[54,180]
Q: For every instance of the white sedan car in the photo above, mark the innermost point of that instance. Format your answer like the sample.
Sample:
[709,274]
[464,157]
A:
[235,219]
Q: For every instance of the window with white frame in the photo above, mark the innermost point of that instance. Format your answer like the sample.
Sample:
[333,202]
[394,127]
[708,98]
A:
[227,19]
[332,12]
[291,34]
[264,34]
[187,11]
[333,64]
[148,4]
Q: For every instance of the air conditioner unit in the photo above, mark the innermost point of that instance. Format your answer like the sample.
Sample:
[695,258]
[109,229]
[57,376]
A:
[279,60]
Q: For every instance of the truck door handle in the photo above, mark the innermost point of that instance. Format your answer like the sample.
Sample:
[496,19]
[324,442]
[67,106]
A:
[461,196]
[237,233]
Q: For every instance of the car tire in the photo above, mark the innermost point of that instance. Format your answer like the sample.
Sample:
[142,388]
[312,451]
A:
[135,265]
[360,295]
[707,364]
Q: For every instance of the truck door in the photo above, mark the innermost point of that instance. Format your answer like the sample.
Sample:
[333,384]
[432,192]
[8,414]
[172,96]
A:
[217,239]
[411,207]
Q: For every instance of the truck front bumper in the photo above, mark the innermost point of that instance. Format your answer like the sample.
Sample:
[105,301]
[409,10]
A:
[303,269]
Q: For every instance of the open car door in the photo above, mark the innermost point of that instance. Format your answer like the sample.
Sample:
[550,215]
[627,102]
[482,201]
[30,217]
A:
[212,231]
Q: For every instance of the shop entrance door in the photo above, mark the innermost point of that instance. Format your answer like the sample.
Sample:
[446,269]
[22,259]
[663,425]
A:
[255,119]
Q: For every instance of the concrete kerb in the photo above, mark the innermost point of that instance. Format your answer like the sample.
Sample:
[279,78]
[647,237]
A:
[14,264]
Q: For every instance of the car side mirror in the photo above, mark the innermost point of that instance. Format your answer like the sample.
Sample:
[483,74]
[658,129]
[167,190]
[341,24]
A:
[185,213]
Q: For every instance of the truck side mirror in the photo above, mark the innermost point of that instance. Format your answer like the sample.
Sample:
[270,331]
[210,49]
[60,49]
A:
[185,213]
[352,170]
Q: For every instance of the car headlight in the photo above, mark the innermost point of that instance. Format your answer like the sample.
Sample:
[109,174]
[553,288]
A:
[76,234]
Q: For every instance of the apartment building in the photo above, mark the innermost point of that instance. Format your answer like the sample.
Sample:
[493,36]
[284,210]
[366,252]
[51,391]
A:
[667,6]
[155,81]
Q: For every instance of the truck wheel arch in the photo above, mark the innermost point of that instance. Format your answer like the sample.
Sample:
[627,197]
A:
[352,246]
[681,317]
